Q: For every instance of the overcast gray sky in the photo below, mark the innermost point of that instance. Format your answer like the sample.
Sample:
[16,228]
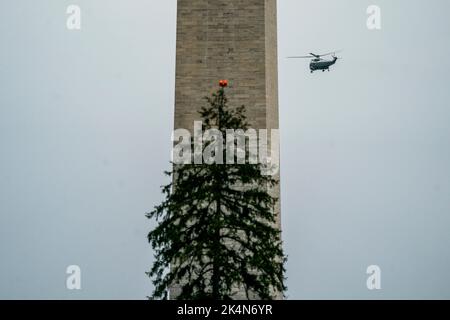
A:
[86,121]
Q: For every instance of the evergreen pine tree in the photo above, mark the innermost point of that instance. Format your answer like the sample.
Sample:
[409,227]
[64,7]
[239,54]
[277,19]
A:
[216,231]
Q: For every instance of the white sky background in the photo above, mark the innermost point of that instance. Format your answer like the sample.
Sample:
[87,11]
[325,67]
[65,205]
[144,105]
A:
[85,125]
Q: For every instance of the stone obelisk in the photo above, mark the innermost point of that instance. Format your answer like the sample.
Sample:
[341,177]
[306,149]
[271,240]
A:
[234,40]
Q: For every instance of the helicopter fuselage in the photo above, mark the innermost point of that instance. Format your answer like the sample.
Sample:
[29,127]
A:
[321,64]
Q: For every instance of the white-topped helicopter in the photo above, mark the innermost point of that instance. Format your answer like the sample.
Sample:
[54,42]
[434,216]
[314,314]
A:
[317,63]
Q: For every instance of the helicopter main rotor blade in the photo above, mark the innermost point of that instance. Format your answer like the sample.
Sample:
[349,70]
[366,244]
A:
[330,53]
[301,57]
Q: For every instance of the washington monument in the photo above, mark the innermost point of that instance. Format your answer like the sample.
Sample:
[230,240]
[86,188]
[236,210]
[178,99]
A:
[234,40]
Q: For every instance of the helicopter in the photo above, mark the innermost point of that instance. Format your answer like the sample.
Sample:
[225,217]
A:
[317,63]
